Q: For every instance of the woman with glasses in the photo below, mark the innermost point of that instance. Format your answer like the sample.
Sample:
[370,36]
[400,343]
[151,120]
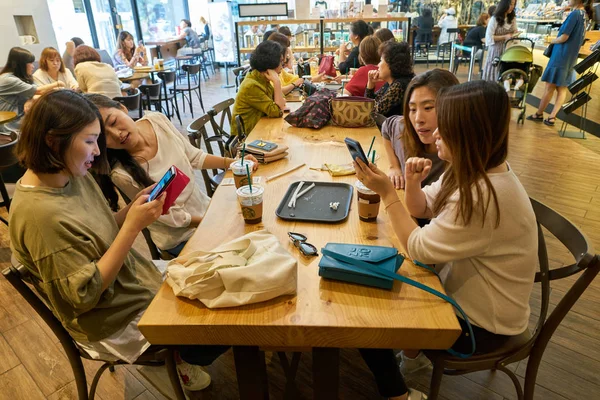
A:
[260,92]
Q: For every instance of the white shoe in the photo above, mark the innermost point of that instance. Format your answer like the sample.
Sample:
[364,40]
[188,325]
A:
[193,377]
[410,366]
[416,395]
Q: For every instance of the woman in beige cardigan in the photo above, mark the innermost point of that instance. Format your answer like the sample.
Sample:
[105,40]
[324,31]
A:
[93,75]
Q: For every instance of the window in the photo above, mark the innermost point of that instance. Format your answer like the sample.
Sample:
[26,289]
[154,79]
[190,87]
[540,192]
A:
[159,18]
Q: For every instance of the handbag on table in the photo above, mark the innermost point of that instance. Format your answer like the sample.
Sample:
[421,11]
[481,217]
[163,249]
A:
[367,262]
[247,270]
[314,112]
[326,66]
[352,111]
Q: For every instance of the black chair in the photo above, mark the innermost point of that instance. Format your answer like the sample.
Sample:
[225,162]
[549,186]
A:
[379,119]
[151,94]
[169,87]
[197,134]
[7,160]
[447,47]
[21,279]
[423,40]
[531,345]
[240,73]
[192,71]
[133,103]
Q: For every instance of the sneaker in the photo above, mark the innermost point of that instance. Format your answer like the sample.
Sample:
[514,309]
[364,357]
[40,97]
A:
[414,394]
[409,365]
[193,377]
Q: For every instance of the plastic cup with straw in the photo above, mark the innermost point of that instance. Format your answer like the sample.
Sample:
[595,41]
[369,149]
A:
[370,147]
[249,178]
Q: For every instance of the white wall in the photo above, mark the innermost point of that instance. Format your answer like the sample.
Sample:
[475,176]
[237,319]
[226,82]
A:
[8,31]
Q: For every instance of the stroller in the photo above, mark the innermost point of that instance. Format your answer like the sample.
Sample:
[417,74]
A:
[517,73]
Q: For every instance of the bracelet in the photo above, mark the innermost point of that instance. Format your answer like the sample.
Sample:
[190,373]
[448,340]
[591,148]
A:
[392,203]
[225,163]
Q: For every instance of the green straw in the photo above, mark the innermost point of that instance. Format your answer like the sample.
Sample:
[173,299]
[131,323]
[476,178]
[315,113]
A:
[243,152]
[373,158]
[249,178]
[371,147]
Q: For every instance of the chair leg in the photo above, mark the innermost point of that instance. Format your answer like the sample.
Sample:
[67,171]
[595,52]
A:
[176,108]
[436,380]
[96,379]
[173,375]
[4,192]
[515,381]
[199,94]
[4,221]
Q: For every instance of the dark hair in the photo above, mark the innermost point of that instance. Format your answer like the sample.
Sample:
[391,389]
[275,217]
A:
[85,53]
[434,80]
[50,53]
[187,22]
[267,55]
[49,128]
[492,10]
[281,39]
[502,9]
[473,121]
[589,10]
[361,29]
[78,41]
[427,12]
[123,36]
[483,17]
[17,61]
[114,156]
[384,34]
[398,57]
[368,50]
[284,30]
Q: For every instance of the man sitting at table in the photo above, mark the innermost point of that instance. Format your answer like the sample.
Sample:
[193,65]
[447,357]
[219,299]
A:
[260,92]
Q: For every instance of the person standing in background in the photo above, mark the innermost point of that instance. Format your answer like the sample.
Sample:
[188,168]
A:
[68,54]
[501,27]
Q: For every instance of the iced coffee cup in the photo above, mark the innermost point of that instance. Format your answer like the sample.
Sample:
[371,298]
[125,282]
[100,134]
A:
[368,202]
[239,172]
[251,203]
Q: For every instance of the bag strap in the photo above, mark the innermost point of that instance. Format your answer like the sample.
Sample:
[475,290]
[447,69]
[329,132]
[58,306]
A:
[393,275]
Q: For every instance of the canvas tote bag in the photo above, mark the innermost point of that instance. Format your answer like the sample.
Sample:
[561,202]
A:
[246,270]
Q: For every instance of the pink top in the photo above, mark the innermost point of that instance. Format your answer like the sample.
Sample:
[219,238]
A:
[358,83]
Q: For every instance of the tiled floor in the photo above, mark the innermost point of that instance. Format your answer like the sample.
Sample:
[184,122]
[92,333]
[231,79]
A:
[563,173]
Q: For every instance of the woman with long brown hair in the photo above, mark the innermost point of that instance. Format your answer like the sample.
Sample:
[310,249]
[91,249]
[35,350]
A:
[483,233]
[415,139]
[127,53]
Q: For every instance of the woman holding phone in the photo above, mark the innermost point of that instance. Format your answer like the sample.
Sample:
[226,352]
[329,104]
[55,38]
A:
[80,253]
[139,153]
[483,233]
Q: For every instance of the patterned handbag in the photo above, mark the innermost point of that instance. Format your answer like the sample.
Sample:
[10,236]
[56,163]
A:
[314,113]
[352,111]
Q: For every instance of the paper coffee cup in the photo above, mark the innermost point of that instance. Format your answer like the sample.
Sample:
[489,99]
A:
[368,202]
[251,202]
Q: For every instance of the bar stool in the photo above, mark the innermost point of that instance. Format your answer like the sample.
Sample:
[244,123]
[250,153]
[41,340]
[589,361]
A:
[192,71]
[169,86]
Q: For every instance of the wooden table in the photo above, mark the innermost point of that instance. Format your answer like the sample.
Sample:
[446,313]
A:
[7,116]
[593,37]
[324,315]
[166,48]
[144,73]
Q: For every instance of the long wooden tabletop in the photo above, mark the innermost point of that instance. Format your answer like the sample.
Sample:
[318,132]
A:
[324,313]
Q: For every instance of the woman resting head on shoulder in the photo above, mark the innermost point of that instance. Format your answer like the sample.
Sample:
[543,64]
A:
[404,140]
[483,229]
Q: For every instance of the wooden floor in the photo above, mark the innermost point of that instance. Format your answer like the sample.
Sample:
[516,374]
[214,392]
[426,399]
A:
[563,173]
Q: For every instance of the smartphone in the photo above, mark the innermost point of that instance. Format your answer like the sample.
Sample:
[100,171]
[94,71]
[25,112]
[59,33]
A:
[356,150]
[163,184]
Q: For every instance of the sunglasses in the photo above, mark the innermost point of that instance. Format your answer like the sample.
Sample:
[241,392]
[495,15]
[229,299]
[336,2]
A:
[299,241]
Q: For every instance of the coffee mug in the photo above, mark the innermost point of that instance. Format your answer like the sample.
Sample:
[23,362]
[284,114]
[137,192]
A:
[27,39]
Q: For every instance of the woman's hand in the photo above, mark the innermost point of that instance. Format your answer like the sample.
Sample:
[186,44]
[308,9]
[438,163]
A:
[271,75]
[299,82]
[373,79]
[142,192]
[396,177]
[142,213]
[417,170]
[373,178]
[251,158]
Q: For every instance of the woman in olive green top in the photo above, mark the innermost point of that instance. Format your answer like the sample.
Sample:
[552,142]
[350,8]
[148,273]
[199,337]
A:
[260,92]
[64,233]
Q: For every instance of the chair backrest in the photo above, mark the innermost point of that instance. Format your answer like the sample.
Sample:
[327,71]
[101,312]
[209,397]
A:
[168,77]
[223,108]
[191,69]
[7,155]
[133,100]
[197,134]
[151,89]
[105,57]
[379,119]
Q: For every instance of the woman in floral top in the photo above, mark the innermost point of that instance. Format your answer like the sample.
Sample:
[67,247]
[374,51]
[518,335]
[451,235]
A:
[396,70]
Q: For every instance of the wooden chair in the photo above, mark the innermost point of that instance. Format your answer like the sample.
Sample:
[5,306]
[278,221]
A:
[17,275]
[192,71]
[240,73]
[223,108]
[197,134]
[169,88]
[528,344]
[379,119]
[133,103]
[7,159]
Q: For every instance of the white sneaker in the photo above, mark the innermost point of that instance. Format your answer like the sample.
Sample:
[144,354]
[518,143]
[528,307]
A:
[414,394]
[193,377]
[409,365]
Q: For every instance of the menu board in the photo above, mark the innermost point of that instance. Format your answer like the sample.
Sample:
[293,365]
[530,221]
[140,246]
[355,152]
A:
[223,31]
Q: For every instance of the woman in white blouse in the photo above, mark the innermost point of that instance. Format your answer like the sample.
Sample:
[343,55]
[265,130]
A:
[53,70]
[139,153]
[483,232]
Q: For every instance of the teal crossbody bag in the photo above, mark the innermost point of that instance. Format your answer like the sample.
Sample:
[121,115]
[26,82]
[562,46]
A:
[381,263]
